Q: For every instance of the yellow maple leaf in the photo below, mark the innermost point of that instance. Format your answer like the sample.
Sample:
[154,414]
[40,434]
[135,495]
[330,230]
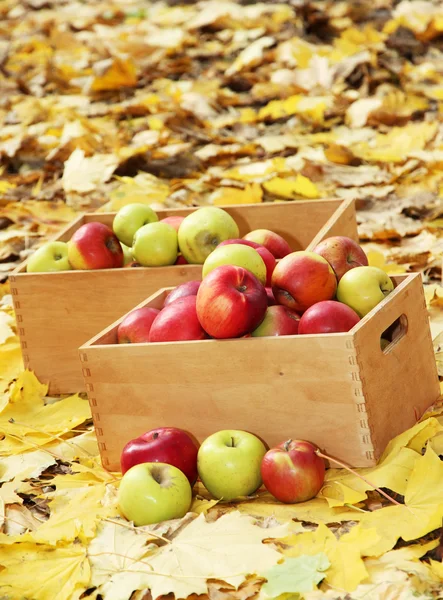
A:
[312,108]
[27,464]
[289,188]
[117,73]
[95,170]
[43,573]
[144,188]
[376,259]
[251,194]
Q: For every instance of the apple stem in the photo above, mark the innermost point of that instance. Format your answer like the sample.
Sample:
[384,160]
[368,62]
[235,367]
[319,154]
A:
[348,468]
[232,442]
[287,444]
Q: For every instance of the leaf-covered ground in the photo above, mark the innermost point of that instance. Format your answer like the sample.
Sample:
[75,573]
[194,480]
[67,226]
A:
[103,103]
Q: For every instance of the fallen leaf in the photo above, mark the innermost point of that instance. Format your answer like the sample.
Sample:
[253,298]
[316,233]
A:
[295,575]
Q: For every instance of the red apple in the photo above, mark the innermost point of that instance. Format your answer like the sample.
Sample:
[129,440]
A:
[274,242]
[301,279]
[177,322]
[279,320]
[231,301]
[267,257]
[95,246]
[165,445]
[135,327]
[271,299]
[190,288]
[292,472]
[175,222]
[342,253]
[181,260]
[328,316]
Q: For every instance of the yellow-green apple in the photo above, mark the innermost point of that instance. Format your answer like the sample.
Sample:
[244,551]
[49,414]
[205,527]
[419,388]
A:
[175,221]
[189,288]
[135,327]
[279,320]
[152,492]
[238,255]
[274,242]
[168,445]
[342,253]
[293,472]
[230,302]
[271,299]
[203,230]
[303,278]
[362,288]
[130,218]
[95,246]
[155,245]
[127,255]
[52,256]
[328,316]
[267,257]
[228,463]
[177,322]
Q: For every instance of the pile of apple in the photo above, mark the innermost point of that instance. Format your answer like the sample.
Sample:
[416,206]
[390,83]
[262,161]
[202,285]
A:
[161,467]
[246,292]
[139,239]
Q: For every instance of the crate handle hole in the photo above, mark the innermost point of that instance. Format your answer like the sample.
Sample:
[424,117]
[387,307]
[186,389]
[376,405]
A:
[393,334]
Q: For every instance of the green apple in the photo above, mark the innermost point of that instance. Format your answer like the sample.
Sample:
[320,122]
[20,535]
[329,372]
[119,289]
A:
[362,288]
[152,492]
[127,254]
[228,463]
[239,256]
[155,245]
[384,343]
[130,218]
[203,230]
[52,256]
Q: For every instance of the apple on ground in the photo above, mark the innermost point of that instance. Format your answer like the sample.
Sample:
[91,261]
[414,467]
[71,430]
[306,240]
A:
[52,256]
[152,492]
[189,288]
[203,230]
[168,445]
[271,299]
[293,472]
[238,255]
[135,327]
[95,246]
[230,302]
[228,463]
[178,322]
[328,316]
[362,288]
[267,257]
[342,253]
[130,218]
[274,242]
[279,320]
[127,255]
[175,222]
[301,279]
[155,245]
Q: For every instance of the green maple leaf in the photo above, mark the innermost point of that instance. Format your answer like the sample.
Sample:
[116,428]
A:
[296,575]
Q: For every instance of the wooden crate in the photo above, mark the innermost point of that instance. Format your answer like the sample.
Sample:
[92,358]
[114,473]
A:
[340,391]
[57,312]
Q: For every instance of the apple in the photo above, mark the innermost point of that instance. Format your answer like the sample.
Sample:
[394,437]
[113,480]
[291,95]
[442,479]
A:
[342,253]
[155,245]
[292,472]
[203,230]
[384,343]
[52,256]
[301,279]
[189,288]
[238,255]
[95,246]
[166,445]
[362,288]
[135,327]
[230,302]
[175,222]
[152,492]
[279,320]
[274,242]
[130,218]
[132,264]
[127,255]
[181,260]
[177,322]
[271,299]
[328,316]
[267,257]
[228,463]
